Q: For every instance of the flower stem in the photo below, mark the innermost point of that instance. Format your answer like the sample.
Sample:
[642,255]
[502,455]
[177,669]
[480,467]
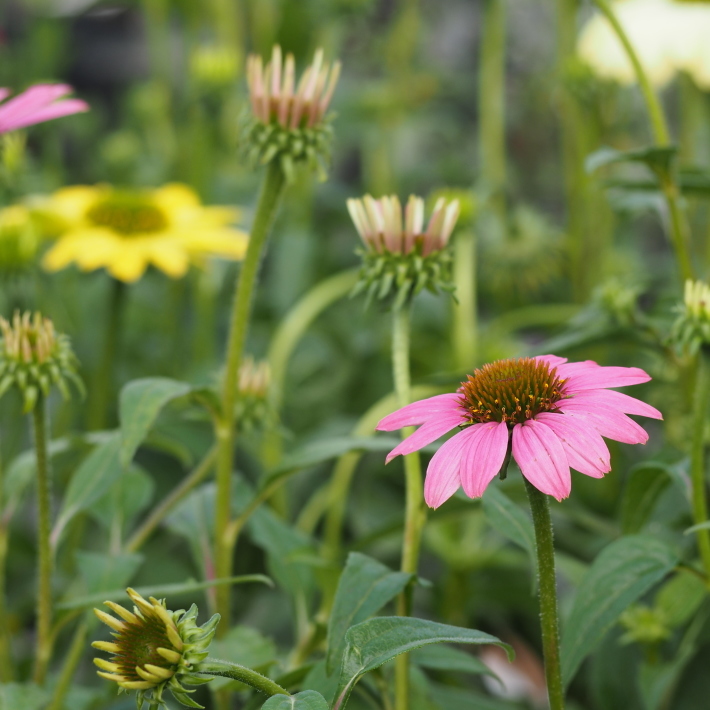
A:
[7,671]
[697,456]
[544,545]
[226,669]
[271,191]
[414,515]
[678,226]
[71,661]
[103,381]
[465,325]
[44,592]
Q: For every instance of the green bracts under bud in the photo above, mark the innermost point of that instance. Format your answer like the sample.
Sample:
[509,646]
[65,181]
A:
[691,330]
[155,649]
[34,358]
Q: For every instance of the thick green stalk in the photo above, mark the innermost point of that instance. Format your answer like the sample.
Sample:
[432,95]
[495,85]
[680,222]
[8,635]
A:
[198,475]
[7,672]
[44,513]
[697,456]
[102,387]
[271,192]
[71,661]
[465,326]
[414,514]
[544,546]
[678,227]
[226,669]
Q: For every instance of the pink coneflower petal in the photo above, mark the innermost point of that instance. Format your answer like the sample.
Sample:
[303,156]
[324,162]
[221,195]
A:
[594,377]
[428,432]
[585,449]
[4,93]
[36,105]
[552,360]
[617,400]
[607,421]
[442,476]
[542,459]
[61,108]
[419,412]
[483,457]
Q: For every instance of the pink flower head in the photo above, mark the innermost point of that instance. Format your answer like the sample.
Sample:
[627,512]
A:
[273,92]
[553,412]
[382,226]
[37,104]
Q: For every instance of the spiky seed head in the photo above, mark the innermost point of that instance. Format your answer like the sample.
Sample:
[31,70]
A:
[34,358]
[154,649]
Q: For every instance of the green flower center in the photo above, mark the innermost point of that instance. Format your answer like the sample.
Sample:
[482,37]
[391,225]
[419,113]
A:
[139,645]
[128,214]
[511,391]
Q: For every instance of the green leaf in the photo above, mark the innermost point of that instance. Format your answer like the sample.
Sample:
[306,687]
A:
[103,572]
[623,571]
[451,660]
[16,696]
[139,406]
[376,641]
[245,646]
[161,590]
[657,158]
[509,519]
[680,597]
[126,498]
[96,474]
[643,489]
[365,586]
[306,700]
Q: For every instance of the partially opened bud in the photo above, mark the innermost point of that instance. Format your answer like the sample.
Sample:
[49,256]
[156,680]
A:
[691,331]
[401,256]
[253,407]
[288,121]
[34,358]
[154,649]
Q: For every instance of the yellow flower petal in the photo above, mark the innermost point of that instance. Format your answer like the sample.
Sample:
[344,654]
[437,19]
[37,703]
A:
[128,265]
[170,257]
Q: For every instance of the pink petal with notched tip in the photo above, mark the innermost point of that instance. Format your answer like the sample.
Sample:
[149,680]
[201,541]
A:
[483,457]
[617,400]
[542,459]
[585,449]
[609,422]
[551,360]
[421,411]
[594,376]
[442,475]
[428,432]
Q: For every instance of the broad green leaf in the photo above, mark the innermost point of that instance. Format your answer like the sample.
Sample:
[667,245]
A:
[365,586]
[452,660]
[245,646]
[161,590]
[139,405]
[372,643]
[643,489]
[96,474]
[509,519]
[105,572]
[20,696]
[126,498]
[623,571]
[306,700]
[449,697]
[657,158]
[680,597]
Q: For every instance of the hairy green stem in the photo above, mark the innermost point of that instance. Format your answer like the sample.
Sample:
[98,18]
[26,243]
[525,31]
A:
[71,661]
[44,514]
[199,473]
[102,388]
[414,515]
[269,199]
[545,549]
[678,227]
[226,669]
[7,668]
[697,456]
[465,325]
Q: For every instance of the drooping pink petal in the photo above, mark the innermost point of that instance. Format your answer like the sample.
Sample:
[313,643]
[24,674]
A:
[56,110]
[483,457]
[596,377]
[428,432]
[619,401]
[551,360]
[584,447]
[442,475]
[36,105]
[542,459]
[609,422]
[421,411]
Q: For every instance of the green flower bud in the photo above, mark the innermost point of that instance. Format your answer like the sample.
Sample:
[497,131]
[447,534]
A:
[400,258]
[19,241]
[154,649]
[34,357]
[644,625]
[253,408]
[691,330]
[288,123]
[214,65]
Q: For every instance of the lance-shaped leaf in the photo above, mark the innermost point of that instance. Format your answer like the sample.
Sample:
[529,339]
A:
[307,700]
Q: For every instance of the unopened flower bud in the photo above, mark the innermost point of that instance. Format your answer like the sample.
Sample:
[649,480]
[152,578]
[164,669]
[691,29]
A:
[288,122]
[401,257]
[253,408]
[34,357]
[155,649]
[691,330]
[214,65]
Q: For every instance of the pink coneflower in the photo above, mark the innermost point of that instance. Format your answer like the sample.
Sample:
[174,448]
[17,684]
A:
[37,104]
[551,413]
[273,92]
[382,228]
